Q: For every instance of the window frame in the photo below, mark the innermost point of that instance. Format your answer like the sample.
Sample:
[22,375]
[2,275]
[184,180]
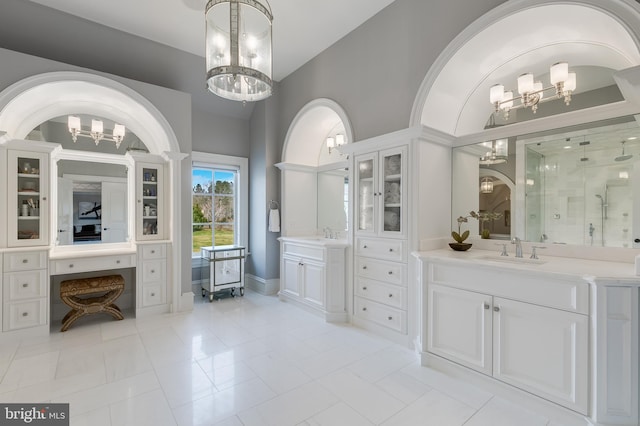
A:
[241,206]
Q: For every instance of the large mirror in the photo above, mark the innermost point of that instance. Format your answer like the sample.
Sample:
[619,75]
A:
[577,185]
[333,199]
[92,203]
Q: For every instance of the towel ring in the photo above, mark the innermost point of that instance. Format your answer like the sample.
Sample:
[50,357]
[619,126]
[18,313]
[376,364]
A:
[272,203]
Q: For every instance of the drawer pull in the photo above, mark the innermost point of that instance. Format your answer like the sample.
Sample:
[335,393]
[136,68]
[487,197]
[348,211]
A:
[117,262]
[153,271]
[364,309]
[390,272]
[25,260]
[496,309]
[25,285]
[25,314]
[153,294]
[364,267]
[153,252]
[364,288]
[364,246]
[486,306]
[390,318]
[390,295]
[71,265]
[390,249]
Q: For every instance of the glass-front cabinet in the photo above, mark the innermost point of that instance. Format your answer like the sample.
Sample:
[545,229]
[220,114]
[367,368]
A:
[380,193]
[150,201]
[27,198]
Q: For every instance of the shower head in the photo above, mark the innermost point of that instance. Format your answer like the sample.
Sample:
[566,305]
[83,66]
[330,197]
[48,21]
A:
[623,157]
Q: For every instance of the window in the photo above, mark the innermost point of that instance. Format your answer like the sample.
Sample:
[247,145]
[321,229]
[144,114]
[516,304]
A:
[218,210]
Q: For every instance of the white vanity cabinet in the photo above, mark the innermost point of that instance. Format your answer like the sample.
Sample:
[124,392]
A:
[313,275]
[25,290]
[150,198]
[28,198]
[152,277]
[495,322]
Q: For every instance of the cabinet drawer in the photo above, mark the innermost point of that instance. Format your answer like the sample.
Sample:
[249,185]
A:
[154,251]
[25,261]
[25,285]
[386,249]
[389,272]
[153,270]
[297,250]
[387,316]
[380,292]
[71,266]
[29,313]
[152,294]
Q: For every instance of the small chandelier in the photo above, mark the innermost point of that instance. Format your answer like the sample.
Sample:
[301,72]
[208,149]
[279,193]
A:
[238,49]
[486,186]
[97,131]
[335,142]
[498,154]
[563,83]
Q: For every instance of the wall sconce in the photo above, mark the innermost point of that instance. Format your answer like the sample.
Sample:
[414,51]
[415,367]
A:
[486,186]
[335,142]
[97,131]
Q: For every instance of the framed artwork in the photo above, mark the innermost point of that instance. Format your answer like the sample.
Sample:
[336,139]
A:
[89,210]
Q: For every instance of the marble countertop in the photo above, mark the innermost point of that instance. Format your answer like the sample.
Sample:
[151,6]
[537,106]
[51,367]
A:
[317,240]
[593,271]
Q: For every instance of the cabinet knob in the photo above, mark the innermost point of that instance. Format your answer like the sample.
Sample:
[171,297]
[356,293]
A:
[364,267]
[25,260]
[153,294]
[71,265]
[153,271]
[389,318]
[390,249]
[153,251]
[364,309]
[25,285]
[139,201]
[496,309]
[390,272]
[44,198]
[390,295]
[364,288]
[117,262]
[25,314]
[364,246]
[486,306]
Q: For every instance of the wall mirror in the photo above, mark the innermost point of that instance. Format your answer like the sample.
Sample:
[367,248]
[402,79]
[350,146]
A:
[578,185]
[333,199]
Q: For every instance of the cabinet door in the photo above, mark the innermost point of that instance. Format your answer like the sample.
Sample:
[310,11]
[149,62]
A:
[313,279]
[393,197]
[542,350]
[150,201]
[366,194]
[459,326]
[27,198]
[290,276]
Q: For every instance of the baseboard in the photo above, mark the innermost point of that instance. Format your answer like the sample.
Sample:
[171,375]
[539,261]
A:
[262,286]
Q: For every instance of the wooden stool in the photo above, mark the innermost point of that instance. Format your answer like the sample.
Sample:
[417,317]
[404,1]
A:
[112,286]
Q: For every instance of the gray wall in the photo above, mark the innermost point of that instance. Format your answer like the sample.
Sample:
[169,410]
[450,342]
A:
[220,135]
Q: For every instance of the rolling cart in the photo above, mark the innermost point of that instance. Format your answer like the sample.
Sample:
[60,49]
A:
[226,269]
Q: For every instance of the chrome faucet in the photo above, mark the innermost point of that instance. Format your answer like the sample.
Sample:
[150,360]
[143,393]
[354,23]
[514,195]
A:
[518,244]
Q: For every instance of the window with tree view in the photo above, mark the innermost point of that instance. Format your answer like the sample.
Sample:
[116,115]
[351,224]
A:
[214,205]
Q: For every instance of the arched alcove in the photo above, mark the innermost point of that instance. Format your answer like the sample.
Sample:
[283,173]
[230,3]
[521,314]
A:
[523,36]
[34,100]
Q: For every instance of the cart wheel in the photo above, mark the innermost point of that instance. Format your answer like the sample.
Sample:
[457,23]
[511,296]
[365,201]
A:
[204,293]
[241,291]
[233,292]
[210,297]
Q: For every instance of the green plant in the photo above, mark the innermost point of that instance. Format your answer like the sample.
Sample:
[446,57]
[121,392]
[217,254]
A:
[458,236]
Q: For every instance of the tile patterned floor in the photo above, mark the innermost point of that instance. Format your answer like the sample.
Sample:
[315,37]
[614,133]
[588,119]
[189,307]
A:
[242,361]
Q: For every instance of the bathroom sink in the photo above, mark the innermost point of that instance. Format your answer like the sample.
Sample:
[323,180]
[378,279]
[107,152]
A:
[511,259]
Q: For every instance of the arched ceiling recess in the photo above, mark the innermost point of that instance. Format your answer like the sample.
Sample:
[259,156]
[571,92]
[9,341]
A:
[34,100]
[305,143]
[523,36]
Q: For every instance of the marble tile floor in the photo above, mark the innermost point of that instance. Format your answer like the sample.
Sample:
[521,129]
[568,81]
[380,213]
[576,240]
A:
[251,360]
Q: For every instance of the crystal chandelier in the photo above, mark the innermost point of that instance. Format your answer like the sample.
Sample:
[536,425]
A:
[97,131]
[531,92]
[238,49]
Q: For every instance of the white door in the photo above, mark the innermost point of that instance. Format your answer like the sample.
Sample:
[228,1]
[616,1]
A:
[65,211]
[313,283]
[290,276]
[459,326]
[114,212]
[543,351]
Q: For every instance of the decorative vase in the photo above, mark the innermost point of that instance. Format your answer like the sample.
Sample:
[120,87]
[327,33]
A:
[460,246]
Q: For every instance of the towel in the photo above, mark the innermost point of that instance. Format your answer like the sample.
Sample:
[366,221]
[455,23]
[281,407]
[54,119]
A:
[274,220]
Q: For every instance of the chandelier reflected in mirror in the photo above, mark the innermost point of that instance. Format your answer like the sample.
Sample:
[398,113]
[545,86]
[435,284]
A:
[498,153]
[96,133]
[238,49]
[563,83]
